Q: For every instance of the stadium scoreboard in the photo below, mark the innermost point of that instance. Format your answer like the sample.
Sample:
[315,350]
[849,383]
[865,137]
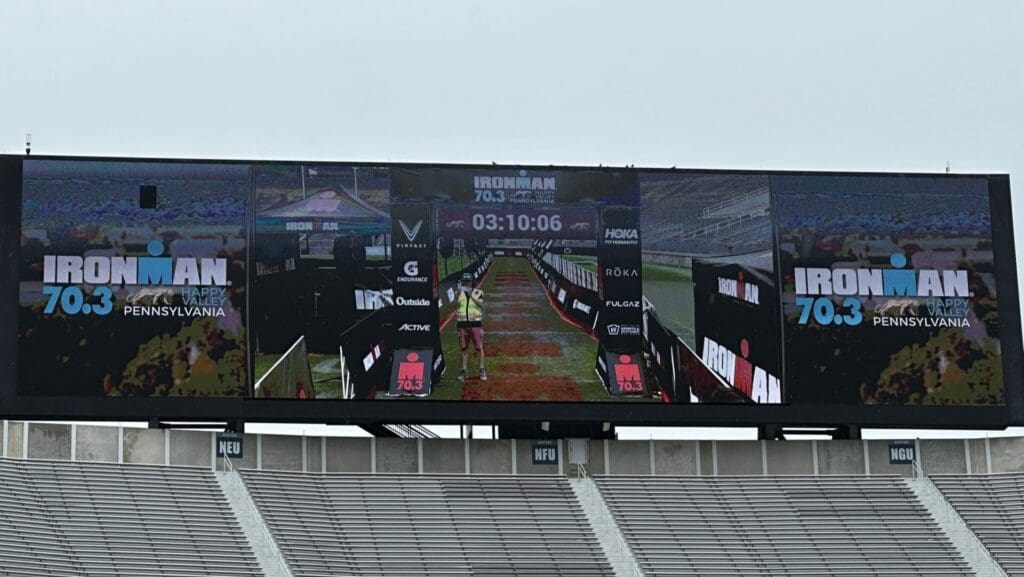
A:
[377,292]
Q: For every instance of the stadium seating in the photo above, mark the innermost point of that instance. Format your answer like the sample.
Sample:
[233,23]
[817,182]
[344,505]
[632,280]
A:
[426,524]
[776,526]
[993,508]
[106,520]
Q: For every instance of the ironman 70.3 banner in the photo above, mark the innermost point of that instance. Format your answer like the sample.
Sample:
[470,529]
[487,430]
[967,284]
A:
[889,290]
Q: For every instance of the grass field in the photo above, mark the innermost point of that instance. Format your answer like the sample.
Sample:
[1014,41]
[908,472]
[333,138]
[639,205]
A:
[670,289]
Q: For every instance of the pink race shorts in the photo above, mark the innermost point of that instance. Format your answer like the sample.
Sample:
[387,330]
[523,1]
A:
[474,334]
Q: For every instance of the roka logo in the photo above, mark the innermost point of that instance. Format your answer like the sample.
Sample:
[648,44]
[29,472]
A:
[411,232]
[621,272]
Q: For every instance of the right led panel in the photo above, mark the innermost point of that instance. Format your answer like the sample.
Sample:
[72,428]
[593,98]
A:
[888,288]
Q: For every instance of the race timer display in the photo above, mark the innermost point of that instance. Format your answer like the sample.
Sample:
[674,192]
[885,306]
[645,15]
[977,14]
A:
[518,222]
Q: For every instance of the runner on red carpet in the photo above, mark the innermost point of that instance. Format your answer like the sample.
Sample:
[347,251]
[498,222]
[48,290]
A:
[469,319]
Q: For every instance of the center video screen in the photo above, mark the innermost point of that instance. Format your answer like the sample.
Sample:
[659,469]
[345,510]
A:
[510,285]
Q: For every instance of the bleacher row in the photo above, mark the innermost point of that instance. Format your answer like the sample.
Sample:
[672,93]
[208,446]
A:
[90,519]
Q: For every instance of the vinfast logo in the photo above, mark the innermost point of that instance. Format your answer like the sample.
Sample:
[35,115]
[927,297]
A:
[129,270]
[412,271]
[414,328]
[623,304]
[404,302]
[738,289]
[623,236]
[754,382]
[413,232]
[621,272]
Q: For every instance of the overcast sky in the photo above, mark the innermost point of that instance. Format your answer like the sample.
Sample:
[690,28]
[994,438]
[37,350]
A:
[872,85]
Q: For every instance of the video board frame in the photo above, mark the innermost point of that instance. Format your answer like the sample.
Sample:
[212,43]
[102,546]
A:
[451,412]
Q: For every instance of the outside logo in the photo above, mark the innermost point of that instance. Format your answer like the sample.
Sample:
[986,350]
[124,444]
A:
[405,302]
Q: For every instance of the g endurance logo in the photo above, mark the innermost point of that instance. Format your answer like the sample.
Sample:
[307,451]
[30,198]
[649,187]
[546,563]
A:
[201,282]
[945,293]
[412,271]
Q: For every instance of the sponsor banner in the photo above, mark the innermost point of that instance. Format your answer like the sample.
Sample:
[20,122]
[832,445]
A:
[411,373]
[736,326]
[620,284]
[415,312]
[889,292]
[625,373]
[230,446]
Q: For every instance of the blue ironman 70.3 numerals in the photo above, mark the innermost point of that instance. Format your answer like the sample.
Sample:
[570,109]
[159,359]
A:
[824,311]
[71,300]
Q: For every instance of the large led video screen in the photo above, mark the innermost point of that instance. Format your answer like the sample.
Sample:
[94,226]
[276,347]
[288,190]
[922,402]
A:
[425,288]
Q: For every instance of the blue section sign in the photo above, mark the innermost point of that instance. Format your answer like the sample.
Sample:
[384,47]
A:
[229,446]
[902,453]
[545,454]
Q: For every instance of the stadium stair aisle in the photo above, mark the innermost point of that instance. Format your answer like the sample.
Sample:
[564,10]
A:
[993,508]
[114,520]
[268,555]
[965,541]
[779,526]
[426,525]
[605,528]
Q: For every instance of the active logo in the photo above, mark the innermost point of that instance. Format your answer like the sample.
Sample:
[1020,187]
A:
[414,328]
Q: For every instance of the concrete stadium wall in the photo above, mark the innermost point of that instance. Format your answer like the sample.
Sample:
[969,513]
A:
[38,440]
